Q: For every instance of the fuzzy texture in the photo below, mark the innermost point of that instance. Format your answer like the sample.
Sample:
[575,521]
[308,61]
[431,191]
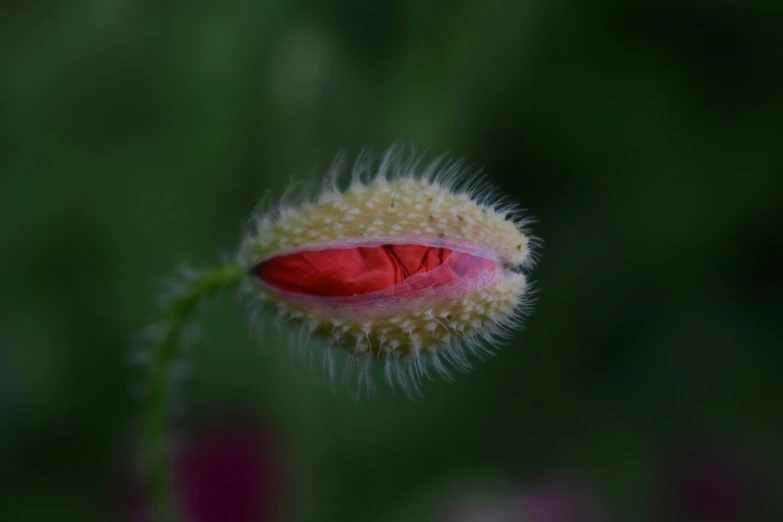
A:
[430,320]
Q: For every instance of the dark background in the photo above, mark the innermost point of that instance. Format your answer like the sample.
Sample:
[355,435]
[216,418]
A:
[646,139]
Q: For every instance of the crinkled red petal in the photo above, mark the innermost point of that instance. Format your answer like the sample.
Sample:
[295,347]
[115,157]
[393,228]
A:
[355,271]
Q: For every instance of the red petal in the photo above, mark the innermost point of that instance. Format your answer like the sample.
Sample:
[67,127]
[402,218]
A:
[361,270]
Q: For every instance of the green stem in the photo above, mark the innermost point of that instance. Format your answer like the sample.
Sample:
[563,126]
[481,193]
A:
[176,314]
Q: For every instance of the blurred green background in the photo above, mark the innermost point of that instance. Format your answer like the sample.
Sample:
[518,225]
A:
[646,138]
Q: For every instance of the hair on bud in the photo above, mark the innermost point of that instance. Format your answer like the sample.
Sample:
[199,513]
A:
[420,268]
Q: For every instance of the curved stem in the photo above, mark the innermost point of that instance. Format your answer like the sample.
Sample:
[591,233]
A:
[176,314]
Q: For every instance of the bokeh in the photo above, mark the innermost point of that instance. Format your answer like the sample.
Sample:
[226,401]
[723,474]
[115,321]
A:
[136,136]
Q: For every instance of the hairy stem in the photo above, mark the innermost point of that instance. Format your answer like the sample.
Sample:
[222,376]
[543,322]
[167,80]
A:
[176,315]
